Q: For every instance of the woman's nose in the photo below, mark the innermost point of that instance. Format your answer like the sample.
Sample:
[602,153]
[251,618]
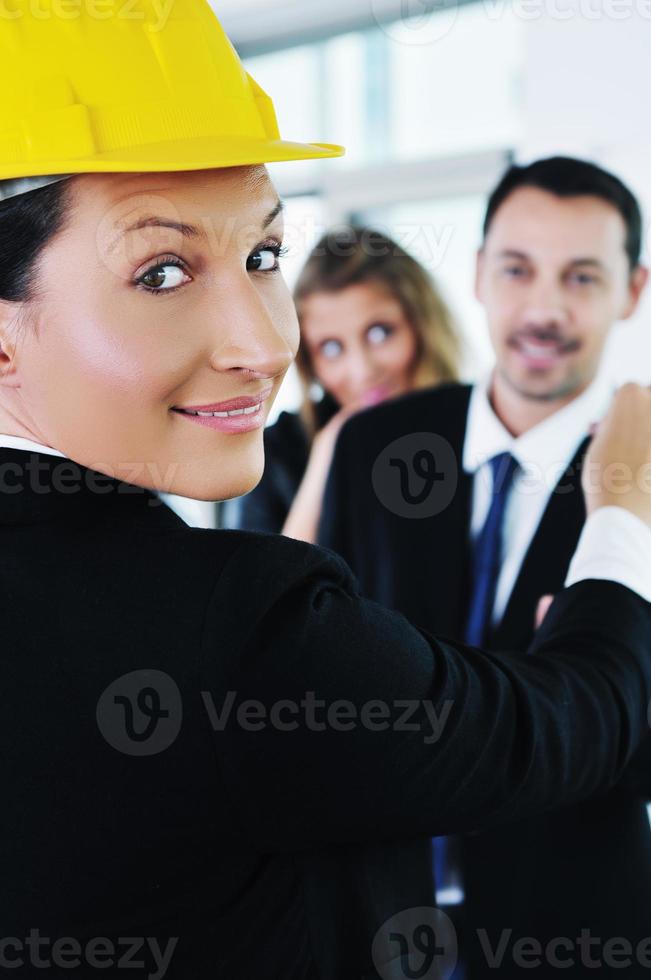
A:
[252,338]
[361,369]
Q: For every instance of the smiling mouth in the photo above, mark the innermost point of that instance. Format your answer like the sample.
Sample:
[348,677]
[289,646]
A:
[252,410]
[233,408]
[543,348]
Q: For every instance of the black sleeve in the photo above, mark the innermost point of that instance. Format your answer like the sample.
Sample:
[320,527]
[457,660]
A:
[637,778]
[367,728]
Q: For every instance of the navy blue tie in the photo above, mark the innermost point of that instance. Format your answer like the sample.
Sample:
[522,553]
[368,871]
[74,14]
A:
[487,553]
[487,556]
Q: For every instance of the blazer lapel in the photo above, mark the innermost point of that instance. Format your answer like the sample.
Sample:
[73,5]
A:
[431,586]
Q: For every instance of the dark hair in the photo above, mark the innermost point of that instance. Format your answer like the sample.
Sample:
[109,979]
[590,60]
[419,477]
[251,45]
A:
[568,177]
[27,223]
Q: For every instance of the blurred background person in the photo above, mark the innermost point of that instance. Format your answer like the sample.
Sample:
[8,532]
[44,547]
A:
[373,327]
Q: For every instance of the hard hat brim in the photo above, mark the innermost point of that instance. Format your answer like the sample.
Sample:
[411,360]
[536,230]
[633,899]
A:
[199,153]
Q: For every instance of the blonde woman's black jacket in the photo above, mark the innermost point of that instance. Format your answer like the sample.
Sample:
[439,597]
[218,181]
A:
[173,801]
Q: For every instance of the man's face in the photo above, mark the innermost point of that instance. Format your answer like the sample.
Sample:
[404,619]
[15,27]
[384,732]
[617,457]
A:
[553,277]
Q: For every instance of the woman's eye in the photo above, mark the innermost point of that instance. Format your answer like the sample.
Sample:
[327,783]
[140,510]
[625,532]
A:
[265,259]
[514,271]
[378,333]
[331,349]
[163,278]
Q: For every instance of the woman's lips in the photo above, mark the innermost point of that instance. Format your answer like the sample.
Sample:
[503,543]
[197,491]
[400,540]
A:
[242,414]
[375,395]
[231,423]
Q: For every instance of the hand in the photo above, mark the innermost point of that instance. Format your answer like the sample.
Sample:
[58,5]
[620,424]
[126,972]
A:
[617,470]
[303,518]
[543,608]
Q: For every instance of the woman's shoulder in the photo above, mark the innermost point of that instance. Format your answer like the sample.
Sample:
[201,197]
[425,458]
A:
[253,572]
[253,558]
[276,558]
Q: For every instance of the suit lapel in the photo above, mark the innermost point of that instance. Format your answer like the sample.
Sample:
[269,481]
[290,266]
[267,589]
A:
[436,551]
[545,566]
[435,596]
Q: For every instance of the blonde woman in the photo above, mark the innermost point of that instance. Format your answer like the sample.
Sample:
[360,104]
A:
[373,326]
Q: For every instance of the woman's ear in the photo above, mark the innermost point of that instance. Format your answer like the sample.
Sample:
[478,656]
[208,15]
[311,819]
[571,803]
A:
[9,313]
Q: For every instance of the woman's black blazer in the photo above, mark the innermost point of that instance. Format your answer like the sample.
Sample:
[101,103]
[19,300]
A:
[212,747]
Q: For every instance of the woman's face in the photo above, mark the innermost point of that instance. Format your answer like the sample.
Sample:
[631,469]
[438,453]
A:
[361,346]
[138,326]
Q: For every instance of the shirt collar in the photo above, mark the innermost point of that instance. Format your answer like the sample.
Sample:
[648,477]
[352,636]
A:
[18,442]
[551,443]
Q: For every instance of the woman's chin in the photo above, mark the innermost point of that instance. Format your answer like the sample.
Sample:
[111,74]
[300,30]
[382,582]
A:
[224,484]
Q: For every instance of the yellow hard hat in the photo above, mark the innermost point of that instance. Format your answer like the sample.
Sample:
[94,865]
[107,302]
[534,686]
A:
[93,86]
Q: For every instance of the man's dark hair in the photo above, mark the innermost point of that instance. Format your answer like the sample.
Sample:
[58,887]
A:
[568,177]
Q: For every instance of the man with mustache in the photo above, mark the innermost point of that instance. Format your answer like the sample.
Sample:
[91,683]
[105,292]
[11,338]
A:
[492,473]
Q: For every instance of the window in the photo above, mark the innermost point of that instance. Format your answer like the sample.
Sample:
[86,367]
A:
[400,92]
[460,92]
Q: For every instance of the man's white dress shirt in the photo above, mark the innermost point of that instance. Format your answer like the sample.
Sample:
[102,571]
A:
[614,544]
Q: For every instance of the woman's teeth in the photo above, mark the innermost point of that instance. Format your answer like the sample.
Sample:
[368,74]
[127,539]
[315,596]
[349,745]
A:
[225,415]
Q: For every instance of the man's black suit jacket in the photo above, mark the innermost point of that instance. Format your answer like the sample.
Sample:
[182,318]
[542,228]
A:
[168,775]
[581,867]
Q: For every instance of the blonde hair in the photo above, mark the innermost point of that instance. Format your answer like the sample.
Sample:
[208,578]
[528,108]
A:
[351,255]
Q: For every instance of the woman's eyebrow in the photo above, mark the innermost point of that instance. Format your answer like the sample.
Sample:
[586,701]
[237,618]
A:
[280,207]
[191,231]
[188,231]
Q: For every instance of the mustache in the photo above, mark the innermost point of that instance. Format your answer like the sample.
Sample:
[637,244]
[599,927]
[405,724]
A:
[544,333]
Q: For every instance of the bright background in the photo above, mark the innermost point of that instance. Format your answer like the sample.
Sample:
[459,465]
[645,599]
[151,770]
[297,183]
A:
[432,101]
